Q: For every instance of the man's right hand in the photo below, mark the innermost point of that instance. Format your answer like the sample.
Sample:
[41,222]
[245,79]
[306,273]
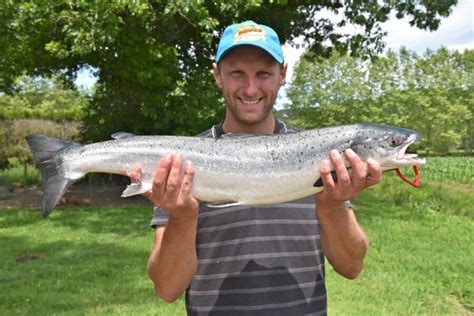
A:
[170,191]
[173,260]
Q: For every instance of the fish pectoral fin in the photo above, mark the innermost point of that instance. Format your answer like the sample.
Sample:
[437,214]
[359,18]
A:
[223,204]
[136,189]
[319,182]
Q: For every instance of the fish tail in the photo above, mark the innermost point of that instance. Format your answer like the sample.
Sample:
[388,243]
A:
[45,153]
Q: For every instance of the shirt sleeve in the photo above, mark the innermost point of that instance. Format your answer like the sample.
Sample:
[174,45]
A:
[160,217]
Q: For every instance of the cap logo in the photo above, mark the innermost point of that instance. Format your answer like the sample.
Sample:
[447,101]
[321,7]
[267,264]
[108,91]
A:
[249,33]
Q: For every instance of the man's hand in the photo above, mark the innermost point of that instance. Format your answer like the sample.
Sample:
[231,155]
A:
[173,261]
[170,191]
[347,186]
[344,243]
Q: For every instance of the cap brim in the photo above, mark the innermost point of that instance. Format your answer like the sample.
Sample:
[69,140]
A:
[279,59]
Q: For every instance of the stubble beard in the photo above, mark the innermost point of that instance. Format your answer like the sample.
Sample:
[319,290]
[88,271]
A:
[245,118]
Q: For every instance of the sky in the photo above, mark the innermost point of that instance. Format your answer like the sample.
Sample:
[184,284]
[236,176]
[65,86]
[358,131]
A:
[454,32]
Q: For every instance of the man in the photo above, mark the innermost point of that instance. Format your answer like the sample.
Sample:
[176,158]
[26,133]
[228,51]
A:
[262,260]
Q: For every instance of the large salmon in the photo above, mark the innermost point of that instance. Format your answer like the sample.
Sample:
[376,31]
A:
[237,170]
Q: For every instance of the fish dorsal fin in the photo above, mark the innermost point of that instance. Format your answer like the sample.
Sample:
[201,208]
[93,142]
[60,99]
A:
[120,135]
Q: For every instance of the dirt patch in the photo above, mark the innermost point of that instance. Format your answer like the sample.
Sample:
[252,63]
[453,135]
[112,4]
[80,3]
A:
[461,309]
[77,195]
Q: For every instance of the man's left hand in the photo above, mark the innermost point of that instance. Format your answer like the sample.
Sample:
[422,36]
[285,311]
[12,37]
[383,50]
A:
[347,186]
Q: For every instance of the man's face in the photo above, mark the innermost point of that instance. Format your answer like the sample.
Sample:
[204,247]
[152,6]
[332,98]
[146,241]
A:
[249,79]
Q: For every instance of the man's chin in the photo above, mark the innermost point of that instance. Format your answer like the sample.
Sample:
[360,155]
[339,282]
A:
[251,119]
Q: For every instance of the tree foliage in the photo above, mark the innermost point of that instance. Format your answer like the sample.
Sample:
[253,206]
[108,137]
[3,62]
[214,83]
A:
[152,58]
[42,106]
[432,94]
[44,98]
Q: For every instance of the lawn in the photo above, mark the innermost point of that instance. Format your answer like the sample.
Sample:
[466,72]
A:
[79,261]
[93,260]
[421,253]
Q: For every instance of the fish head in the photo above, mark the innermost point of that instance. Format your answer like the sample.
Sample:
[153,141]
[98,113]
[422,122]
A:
[387,145]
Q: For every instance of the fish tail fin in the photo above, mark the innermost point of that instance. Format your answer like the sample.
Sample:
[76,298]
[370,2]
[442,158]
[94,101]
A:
[54,184]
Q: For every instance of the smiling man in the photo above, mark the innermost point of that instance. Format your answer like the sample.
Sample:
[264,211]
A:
[254,260]
[248,79]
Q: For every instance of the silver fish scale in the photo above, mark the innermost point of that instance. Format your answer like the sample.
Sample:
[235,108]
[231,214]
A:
[247,170]
[225,167]
[259,154]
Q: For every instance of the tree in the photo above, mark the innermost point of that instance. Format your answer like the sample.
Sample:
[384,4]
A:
[152,58]
[43,98]
[432,94]
[42,106]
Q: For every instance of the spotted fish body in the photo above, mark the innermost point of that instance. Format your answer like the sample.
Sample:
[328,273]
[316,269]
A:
[244,169]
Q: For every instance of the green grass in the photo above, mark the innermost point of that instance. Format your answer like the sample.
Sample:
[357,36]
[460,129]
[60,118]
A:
[93,260]
[459,170]
[420,255]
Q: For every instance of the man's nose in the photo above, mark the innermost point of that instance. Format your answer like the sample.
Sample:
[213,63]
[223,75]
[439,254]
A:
[251,86]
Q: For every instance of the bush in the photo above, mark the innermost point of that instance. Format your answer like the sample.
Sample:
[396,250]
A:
[24,174]
[13,132]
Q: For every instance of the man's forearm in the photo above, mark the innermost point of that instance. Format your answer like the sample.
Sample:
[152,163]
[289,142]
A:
[343,241]
[173,261]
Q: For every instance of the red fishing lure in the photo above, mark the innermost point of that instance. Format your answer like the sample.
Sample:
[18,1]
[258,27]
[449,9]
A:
[415,182]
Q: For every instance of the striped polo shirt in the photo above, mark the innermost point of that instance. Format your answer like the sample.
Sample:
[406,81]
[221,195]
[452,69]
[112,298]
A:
[256,260]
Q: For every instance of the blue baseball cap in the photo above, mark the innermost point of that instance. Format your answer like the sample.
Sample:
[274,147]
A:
[250,33]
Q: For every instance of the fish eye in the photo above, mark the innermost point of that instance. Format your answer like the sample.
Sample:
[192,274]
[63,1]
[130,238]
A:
[395,141]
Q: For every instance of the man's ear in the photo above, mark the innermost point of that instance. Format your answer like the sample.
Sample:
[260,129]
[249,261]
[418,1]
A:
[217,75]
[284,68]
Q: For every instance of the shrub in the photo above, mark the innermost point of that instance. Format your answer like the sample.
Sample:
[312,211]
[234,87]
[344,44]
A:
[13,132]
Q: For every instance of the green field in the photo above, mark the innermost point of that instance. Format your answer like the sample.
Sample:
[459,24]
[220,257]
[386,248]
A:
[93,260]
[453,170]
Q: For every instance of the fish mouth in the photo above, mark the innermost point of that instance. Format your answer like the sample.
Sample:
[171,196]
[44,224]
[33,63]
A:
[408,159]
